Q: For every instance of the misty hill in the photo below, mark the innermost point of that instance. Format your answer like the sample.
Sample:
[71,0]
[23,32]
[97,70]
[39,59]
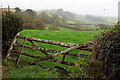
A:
[92,19]
[64,14]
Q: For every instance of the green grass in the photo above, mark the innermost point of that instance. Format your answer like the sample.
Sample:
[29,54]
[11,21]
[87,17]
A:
[66,36]
[71,22]
[62,36]
[61,28]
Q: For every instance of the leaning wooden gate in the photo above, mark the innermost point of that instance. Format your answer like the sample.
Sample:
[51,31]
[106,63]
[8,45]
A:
[49,57]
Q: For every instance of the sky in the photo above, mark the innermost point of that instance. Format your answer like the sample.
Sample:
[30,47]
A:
[93,7]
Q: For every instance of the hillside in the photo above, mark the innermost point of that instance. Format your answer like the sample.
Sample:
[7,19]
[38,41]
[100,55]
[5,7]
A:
[82,18]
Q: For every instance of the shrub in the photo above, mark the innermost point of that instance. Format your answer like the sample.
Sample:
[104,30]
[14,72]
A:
[54,27]
[28,22]
[38,24]
[94,69]
[11,24]
[34,24]
[110,52]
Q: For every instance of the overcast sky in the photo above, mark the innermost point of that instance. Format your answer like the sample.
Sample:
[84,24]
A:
[94,7]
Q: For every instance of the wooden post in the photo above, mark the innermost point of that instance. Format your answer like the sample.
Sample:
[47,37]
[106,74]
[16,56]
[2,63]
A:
[18,59]
[11,47]
[64,57]
[93,53]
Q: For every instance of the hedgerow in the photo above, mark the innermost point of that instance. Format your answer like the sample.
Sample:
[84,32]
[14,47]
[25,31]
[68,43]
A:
[110,52]
[12,23]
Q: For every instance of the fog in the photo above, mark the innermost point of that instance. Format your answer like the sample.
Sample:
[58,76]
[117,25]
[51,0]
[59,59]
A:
[93,7]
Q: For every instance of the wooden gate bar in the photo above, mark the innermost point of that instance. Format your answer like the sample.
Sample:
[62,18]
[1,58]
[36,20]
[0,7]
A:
[63,57]
[66,63]
[59,61]
[39,48]
[54,51]
[76,54]
[18,59]
[11,46]
[33,43]
[44,52]
[83,46]
[48,50]
[34,56]
[58,53]
[26,54]
[49,41]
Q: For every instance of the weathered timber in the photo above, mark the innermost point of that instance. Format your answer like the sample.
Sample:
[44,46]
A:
[34,56]
[58,53]
[11,46]
[49,41]
[55,42]
[54,51]
[26,54]
[93,55]
[62,71]
[64,55]
[40,49]
[76,54]
[33,43]
[59,61]
[18,59]
[65,63]
[51,60]
[86,48]
[44,67]
[67,50]
[45,53]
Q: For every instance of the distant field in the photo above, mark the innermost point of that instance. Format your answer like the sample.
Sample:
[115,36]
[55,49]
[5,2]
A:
[81,27]
[61,28]
[28,71]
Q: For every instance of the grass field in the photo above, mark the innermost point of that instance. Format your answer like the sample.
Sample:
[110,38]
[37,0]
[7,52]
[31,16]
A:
[28,71]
